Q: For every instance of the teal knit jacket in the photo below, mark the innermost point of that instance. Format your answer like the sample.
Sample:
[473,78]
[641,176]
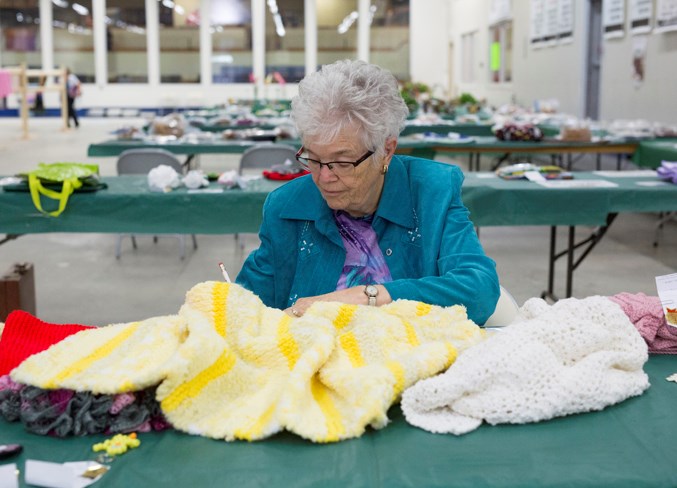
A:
[423,229]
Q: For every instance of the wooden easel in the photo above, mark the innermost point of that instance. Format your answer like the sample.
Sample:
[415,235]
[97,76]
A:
[24,90]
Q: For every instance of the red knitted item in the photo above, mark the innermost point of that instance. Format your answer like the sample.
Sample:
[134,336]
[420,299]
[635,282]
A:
[25,335]
[280,176]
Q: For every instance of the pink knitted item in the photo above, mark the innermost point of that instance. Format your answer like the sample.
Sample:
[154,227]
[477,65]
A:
[646,313]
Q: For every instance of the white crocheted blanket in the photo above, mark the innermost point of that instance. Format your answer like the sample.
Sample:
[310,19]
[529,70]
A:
[229,367]
[575,356]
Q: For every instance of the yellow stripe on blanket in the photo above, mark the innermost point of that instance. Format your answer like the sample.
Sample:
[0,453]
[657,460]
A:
[350,345]
[96,355]
[286,342]
[256,430]
[219,299]
[335,429]
[344,316]
[423,309]
[412,339]
[398,373]
[192,388]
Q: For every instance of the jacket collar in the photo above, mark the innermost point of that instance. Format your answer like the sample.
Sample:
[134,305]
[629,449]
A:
[306,202]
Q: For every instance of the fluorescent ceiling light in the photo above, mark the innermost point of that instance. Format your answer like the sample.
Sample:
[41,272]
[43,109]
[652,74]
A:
[81,9]
[275,12]
[60,3]
[352,17]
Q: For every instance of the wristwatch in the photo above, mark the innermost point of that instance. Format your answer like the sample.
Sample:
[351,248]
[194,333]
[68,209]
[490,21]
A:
[371,291]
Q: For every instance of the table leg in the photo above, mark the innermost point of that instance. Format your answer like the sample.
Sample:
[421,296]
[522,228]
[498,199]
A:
[550,292]
[570,260]
[9,237]
[569,252]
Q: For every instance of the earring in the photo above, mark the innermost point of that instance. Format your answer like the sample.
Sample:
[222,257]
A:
[385,169]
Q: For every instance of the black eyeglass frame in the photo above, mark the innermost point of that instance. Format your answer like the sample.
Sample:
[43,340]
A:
[330,164]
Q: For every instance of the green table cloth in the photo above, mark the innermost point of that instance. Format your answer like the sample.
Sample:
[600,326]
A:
[128,206]
[651,153]
[465,129]
[626,445]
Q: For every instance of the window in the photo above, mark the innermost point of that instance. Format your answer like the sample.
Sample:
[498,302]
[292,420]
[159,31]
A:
[336,31]
[231,31]
[73,37]
[285,41]
[389,36]
[500,52]
[20,27]
[179,41]
[126,42]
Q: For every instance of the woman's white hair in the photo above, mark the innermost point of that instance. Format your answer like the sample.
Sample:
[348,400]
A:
[349,93]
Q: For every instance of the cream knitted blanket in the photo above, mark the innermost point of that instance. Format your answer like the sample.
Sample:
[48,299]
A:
[229,367]
[575,356]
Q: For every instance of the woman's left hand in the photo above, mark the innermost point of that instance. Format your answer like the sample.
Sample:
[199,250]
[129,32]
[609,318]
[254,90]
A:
[354,295]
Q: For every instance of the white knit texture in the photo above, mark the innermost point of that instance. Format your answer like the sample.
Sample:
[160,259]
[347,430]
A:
[574,356]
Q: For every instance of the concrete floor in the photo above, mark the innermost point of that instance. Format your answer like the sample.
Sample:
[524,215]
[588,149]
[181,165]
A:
[79,280]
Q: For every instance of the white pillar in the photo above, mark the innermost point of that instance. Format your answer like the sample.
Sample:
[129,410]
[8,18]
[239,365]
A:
[259,44]
[310,31]
[100,44]
[205,43]
[153,41]
[46,36]
[363,27]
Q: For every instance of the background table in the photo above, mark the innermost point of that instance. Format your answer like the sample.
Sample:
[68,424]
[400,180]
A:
[127,206]
[651,153]
[627,445]
[426,148]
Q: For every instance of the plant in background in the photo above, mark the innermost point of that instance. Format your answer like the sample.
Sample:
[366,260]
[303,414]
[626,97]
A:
[414,94]
[467,99]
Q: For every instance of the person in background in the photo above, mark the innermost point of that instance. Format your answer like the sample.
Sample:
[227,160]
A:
[366,226]
[39,106]
[73,90]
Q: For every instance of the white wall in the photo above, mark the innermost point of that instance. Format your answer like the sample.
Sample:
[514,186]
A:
[549,72]
[655,99]
[429,42]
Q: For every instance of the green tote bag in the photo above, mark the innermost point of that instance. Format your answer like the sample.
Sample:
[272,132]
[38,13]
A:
[71,177]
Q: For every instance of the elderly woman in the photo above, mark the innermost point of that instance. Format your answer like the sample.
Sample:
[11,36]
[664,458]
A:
[366,226]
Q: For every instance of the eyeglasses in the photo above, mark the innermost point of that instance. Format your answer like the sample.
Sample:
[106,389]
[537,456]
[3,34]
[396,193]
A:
[339,168]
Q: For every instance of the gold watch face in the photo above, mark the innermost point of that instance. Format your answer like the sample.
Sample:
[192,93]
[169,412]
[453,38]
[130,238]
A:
[371,290]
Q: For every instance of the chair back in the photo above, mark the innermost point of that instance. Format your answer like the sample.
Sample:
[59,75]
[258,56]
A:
[263,156]
[506,310]
[141,161]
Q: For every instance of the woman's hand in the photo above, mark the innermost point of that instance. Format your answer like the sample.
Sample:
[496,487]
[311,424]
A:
[354,296]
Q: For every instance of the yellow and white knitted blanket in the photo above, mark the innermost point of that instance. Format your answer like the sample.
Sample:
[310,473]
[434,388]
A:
[228,367]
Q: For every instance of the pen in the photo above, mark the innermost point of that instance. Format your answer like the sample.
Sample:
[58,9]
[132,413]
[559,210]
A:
[224,273]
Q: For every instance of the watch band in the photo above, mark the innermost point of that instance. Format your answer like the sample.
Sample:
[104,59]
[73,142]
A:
[371,291]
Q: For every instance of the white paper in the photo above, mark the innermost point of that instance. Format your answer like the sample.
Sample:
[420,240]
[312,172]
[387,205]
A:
[667,292]
[56,475]
[534,176]
[666,15]
[613,18]
[639,173]
[8,477]
[577,184]
[485,175]
[206,190]
[641,12]
[652,183]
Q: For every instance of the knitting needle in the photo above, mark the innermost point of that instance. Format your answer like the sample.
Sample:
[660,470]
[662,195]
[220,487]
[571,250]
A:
[224,273]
